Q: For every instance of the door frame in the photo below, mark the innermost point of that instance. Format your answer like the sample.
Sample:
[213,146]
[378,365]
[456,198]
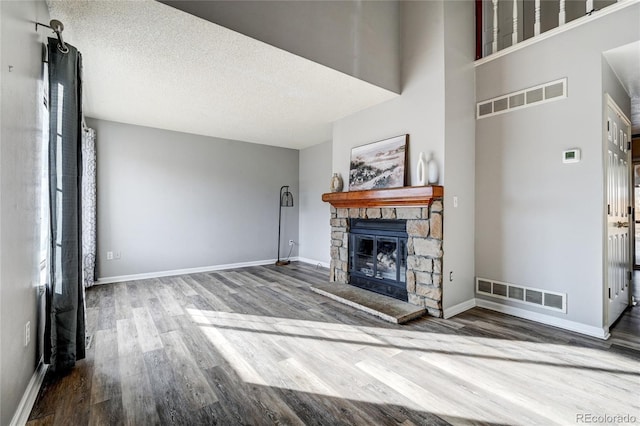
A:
[609,101]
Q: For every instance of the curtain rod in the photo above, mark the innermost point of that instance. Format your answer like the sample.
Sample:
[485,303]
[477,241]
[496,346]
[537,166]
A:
[57,27]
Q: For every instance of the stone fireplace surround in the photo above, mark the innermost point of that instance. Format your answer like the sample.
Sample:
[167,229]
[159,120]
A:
[422,208]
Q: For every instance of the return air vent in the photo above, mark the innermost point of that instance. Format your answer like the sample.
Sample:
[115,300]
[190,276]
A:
[527,295]
[543,93]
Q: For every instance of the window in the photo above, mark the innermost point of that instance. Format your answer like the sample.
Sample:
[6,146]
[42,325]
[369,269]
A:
[44,180]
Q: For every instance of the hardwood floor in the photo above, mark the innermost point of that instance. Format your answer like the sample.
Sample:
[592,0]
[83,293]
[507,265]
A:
[255,346]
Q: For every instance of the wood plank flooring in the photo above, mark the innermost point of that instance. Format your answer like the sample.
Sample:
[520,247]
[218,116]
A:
[255,346]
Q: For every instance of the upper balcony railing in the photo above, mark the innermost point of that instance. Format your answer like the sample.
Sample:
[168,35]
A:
[504,23]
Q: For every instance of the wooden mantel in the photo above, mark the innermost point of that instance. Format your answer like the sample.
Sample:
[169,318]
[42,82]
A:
[396,197]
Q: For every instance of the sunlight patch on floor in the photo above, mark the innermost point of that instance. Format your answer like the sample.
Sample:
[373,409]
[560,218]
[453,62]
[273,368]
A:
[410,368]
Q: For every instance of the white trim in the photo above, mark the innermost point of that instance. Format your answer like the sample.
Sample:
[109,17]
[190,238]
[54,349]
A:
[459,308]
[313,262]
[159,274]
[30,394]
[589,330]
[566,27]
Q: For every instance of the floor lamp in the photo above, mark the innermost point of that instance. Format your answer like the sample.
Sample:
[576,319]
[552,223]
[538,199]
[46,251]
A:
[286,200]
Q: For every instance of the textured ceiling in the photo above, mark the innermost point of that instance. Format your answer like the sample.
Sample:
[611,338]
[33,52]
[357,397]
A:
[148,64]
[625,62]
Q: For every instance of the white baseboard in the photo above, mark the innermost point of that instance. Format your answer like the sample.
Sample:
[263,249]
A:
[23,411]
[459,308]
[600,333]
[159,274]
[313,262]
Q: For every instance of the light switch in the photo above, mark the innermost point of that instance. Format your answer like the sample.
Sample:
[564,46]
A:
[455,201]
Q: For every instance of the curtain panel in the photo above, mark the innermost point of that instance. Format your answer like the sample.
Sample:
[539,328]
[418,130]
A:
[88,207]
[65,322]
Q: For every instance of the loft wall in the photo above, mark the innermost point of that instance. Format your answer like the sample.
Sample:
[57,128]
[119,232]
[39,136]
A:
[171,201]
[358,38]
[419,111]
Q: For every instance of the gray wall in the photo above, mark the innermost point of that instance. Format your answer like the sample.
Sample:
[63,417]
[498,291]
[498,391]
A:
[359,38]
[171,201]
[438,122]
[459,223]
[315,230]
[539,222]
[20,166]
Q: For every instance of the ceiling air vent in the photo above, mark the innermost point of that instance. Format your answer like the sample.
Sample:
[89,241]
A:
[521,294]
[543,93]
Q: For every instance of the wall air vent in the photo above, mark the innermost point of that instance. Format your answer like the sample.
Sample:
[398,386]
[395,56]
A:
[521,294]
[543,93]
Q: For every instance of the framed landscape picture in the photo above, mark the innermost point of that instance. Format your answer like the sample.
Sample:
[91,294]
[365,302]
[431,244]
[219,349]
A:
[379,165]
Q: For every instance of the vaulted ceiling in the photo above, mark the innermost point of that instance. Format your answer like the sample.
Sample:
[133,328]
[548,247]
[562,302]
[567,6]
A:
[625,62]
[149,64]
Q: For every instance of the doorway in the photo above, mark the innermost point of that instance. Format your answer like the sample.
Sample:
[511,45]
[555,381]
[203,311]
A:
[636,203]
[618,274]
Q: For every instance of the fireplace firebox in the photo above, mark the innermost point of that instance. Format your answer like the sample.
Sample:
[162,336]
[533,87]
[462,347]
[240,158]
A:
[378,256]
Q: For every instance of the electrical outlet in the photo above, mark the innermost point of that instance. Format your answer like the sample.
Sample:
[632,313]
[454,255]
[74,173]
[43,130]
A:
[116,255]
[290,242]
[109,255]
[27,333]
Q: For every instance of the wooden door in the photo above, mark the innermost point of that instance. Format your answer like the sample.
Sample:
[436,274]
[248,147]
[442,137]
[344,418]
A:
[618,176]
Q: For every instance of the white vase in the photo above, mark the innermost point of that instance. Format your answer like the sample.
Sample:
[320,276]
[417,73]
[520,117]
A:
[432,170]
[421,170]
[336,183]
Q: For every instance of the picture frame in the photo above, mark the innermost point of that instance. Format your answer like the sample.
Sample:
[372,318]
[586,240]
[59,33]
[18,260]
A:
[379,165]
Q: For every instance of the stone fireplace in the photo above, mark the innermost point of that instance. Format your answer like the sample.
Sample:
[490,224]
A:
[421,208]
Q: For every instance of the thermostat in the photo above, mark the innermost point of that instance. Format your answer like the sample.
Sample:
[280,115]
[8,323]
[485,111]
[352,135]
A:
[571,156]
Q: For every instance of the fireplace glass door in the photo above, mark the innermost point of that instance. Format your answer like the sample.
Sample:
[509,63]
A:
[378,262]
[364,254]
[386,256]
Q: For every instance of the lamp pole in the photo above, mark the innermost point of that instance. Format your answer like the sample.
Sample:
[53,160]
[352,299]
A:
[285,200]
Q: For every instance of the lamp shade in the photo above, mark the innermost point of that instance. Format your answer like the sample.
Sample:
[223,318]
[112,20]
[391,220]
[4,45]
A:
[286,198]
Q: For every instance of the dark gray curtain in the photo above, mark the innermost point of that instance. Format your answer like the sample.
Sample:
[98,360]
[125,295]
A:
[65,326]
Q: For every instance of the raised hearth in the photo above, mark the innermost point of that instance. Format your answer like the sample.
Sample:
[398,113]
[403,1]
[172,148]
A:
[421,208]
[391,310]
